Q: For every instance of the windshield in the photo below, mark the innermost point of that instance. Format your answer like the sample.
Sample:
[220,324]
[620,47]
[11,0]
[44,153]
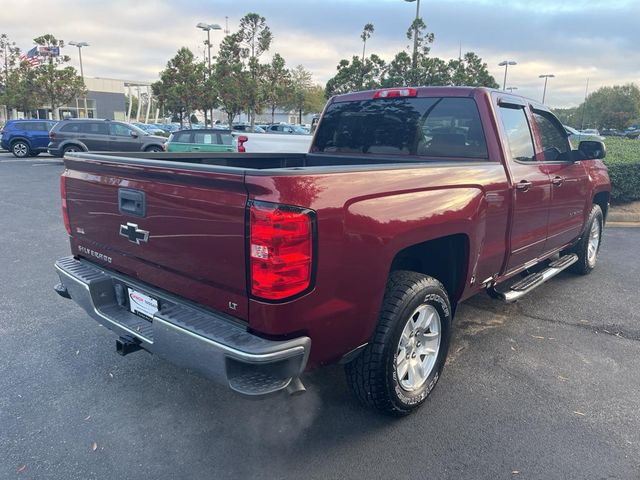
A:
[430,127]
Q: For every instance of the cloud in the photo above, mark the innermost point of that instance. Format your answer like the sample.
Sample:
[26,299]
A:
[574,40]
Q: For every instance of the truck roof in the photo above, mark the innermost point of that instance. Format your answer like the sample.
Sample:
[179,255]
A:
[440,91]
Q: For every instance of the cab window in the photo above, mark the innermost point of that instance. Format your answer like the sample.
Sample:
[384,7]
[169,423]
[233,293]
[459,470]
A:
[516,127]
[555,144]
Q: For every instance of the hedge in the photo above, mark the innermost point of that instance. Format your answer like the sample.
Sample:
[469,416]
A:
[623,161]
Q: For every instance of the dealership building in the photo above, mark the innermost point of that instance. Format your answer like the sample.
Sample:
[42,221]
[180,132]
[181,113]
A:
[106,98]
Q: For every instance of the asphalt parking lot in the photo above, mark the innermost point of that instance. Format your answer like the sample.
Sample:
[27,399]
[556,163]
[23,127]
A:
[547,388]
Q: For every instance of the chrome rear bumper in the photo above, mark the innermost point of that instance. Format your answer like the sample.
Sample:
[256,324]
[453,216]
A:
[186,335]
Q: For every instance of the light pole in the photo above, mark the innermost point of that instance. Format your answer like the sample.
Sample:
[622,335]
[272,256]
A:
[511,89]
[415,33]
[546,77]
[505,64]
[207,27]
[80,45]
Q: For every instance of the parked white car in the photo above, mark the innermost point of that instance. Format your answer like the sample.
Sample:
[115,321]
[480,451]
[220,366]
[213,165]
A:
[274,142]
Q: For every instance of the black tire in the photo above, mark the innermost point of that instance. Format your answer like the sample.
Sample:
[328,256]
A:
[71,148]
[154,148]
[585,263]
[373,375]
[20,149]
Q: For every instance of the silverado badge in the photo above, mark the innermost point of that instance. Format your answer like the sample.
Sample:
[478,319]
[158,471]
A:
[133,233]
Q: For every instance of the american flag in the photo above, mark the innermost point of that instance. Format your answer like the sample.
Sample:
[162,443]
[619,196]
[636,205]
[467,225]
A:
[31,57]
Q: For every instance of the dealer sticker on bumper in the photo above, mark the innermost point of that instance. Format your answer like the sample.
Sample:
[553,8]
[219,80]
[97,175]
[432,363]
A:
[142,304]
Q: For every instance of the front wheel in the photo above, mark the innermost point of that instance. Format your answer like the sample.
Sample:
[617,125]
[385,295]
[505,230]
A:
[153,148]
[401,364]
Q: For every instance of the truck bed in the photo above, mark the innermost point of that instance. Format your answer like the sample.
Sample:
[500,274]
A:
[257,162]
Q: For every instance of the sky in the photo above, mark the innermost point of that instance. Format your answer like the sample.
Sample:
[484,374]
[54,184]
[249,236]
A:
[575,40]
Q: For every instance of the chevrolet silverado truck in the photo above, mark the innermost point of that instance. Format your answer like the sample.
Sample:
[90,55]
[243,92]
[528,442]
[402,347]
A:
[254,268]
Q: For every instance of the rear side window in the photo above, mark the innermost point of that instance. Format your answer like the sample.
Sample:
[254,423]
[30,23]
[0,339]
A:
[555,143]
[71,128]
[34,126]
[425,127]
[93,128]
[182,137]
[225,139]
[206,138]
[31,126]
[516,126]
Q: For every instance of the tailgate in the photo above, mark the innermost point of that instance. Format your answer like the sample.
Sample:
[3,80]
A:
[195,221]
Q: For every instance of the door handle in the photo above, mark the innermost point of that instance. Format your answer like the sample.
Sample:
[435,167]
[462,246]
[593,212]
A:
[524,185]
[195,148]
[557,180]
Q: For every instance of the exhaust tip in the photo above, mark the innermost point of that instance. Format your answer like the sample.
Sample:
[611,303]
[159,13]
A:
[295,387]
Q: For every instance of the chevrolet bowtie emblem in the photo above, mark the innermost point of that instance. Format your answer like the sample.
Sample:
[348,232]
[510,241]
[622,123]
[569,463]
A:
[133,233]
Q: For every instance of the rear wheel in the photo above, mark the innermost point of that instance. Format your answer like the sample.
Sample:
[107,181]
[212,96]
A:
[400,366]
[20,149]
[589,245]
[153,148]
[71,149]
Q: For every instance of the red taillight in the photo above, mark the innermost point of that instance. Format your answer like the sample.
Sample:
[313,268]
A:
[52,136]
[164,146]
[241,141]
[280,250]
[395,93]
[63,195]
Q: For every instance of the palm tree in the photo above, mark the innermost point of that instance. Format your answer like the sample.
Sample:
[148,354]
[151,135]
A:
[366,35]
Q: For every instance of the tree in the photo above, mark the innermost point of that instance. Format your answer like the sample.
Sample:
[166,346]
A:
[470,71]
[300,84]
[356,75]
[17,90]
[366,35]
[54,82]
[21,91]
[9,53]
[305,97]
[255,37]
[277,82]
[421,39]
[568,116]
[610,107]
[179,84]
[230,77]
[314,101]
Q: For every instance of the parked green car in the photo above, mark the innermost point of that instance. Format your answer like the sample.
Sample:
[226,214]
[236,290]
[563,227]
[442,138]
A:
[205,140]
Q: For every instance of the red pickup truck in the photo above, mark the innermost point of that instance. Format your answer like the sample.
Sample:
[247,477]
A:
[252,268]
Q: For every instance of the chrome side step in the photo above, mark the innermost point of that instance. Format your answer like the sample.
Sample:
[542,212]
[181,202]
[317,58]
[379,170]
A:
[530,282]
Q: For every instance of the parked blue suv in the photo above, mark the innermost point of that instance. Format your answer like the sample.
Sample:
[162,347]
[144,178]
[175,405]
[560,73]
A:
[26,138]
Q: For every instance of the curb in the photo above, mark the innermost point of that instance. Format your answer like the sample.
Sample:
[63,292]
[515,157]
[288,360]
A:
[623,217]
[622,224]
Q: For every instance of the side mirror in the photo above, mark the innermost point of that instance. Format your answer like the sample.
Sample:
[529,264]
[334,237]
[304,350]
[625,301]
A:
[592,149]
[133,134]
